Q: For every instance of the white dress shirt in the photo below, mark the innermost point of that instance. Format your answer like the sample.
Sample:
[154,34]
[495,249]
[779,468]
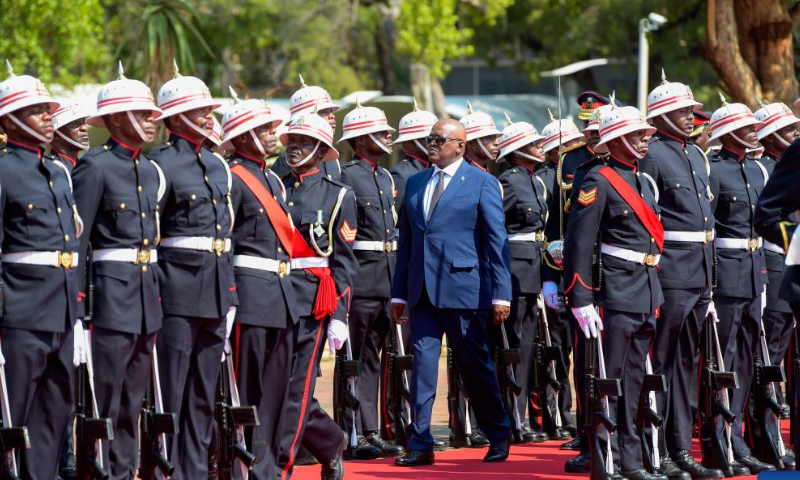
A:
[449,173]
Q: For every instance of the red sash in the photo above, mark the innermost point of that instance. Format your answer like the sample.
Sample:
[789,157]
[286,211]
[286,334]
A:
[643,212]
[277,217]
[325,303]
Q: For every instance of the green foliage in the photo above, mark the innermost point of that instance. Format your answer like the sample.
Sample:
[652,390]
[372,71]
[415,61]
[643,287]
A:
[58,42]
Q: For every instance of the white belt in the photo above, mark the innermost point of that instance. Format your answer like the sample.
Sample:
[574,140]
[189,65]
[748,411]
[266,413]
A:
[127,255]
[773,248]
[694,237]
[649,259]
[261,263]
[310,262]
[205,244]
[749,244]
[49,259]
[526,237]
[375,246]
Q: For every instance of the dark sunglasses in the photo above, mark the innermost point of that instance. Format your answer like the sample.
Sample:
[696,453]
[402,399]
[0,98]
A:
[439,139]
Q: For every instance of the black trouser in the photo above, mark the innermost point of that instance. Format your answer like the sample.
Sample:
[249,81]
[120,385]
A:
[369,324]
[386,413]
[579,374]
[563,335]
[795,396]
[627,338]
[674,355]
[264,368]
[40,376]
[302,417]
[122,369]
[738,328]
[66,458]
[189,363]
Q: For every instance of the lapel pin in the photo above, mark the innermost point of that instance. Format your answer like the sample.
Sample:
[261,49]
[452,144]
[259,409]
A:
[462,178]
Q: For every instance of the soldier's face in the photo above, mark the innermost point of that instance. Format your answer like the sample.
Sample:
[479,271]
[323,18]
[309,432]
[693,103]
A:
[534,149]
[121,125]
[492,145]
[747,135]
[592,137]
[201,118]
[37,118]
[371,149]
[266,135]
[636,148]
[411,148]
[789,133]
[328,114]
[300,146]
[683,118]
[76,130]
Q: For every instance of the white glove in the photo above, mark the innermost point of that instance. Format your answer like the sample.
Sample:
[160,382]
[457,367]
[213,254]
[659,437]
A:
[712,310]
[763,300]
[79,344]
[2,358]
[228,328]
[550,294]
[589,320]
[338,333]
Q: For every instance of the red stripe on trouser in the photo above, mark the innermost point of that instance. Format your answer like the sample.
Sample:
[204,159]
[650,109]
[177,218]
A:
[309,372]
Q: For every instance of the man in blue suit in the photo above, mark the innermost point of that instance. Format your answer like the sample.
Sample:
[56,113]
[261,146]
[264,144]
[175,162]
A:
[453,272]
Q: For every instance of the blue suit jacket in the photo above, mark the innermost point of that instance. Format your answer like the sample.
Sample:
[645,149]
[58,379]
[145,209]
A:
[461,254]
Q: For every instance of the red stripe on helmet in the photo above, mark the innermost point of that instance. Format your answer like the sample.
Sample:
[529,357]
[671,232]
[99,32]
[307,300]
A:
[117,100]
[516,137]
[319,132]
[184,99]
[414,129]
[727,120]
[367,124]
[670,101]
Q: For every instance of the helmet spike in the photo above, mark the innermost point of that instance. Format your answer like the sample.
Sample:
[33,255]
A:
[663,77]
[551,116]
[760,102]
[613,98]
[722,99]
[175,70]
[10,69]
[316,108]
[358,102]
[469,107]
[120,71]
[234,94]
[416,108]
[508,119]
[302,82]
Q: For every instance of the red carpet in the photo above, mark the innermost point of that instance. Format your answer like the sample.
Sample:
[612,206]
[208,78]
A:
[543,460]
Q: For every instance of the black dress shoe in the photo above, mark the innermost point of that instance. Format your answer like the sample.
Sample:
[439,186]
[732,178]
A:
[533,436]
[754,465]
[68,473]
[477,439]
[334,469]
[572,429]
[304,457]
[642,474]
[414,458]
[580,464]
[439,445]
[574,444]
[388,449]
[364,450]
[559,434]
[498,452]
[788,463]
[738,470]
[671,470]
[685,462]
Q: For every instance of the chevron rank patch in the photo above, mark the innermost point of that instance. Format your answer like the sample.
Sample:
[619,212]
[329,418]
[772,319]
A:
[587,197]
[348,233]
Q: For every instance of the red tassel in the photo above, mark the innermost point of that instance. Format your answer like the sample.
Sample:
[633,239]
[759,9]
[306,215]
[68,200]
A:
[325,303]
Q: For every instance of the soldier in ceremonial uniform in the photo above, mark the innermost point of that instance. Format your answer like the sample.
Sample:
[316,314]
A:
[198,292]
[701,134]
[323,273]
[39,283]
[307,100]
[679,172]
[736,183]
[525,206]
[117,190]
[482,135]
[370,136]
[589,101]
[413,130]
[617,204]
[261,252]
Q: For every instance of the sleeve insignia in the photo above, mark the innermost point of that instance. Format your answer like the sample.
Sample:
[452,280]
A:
[348,233]
[587,197]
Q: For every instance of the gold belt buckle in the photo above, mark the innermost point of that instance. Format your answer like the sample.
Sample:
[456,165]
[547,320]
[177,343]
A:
[65,259]
[650,260]
[538,237]
[752,244]
[388,247]
[219,246]
[709,236]
[283,269]
[143,256]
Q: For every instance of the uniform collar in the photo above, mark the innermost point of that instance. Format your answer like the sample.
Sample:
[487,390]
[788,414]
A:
[13,144]
[667,137]
[776,156]
[177,138]
[122,149]
[410,158]
[311,176]
[522,165]
[616,162]
[476,164]
[247,159]
[725,152]
[73,161]
[366,162]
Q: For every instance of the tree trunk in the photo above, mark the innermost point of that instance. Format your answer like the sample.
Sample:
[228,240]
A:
[384,46]
[427,90]
[749,44]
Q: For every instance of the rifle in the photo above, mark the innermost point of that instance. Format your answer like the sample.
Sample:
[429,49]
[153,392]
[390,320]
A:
[767,410]
[231,419]
[459,420]
[598,389]
[11,439]
[544,360]
[649,416]
[506,358]
[154,425]
[715,382]
[344,394]
[400,396]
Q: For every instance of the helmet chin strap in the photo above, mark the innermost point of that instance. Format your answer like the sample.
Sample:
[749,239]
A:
[485,150]
[529,157]
[29,130]
[308,157]
[137,127]
[742,142]
[200,131]
[380,144]
[781,139]
[630,148]
[416,142]
[257,142]
[674,127]
[78,145]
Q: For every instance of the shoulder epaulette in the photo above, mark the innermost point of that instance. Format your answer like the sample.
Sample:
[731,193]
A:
[574,147]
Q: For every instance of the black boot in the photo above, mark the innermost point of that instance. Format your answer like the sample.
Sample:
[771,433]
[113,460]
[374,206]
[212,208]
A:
[364,451]
[685,462]
[754,465]
[334,469]
[671,470]
[388,449]
[580,464]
